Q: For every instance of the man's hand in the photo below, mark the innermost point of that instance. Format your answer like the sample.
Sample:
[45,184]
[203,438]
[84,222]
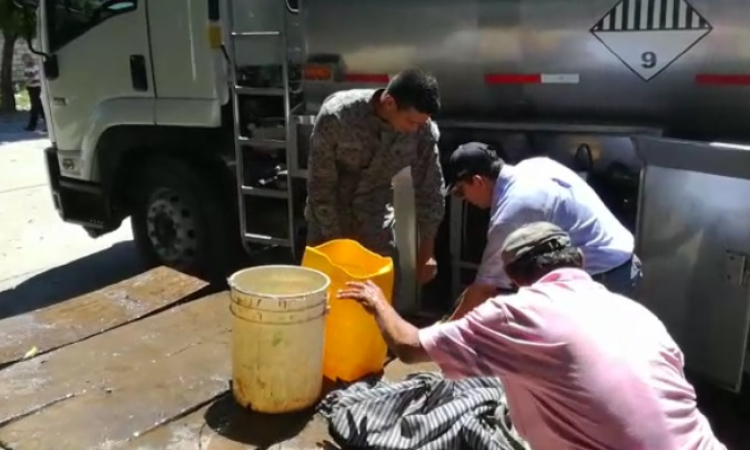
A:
[368,294]
[427,271]
[473,296]
[401,336]
[426,264]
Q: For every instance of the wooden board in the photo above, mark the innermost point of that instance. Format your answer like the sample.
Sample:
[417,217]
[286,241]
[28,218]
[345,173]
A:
[82,317]
[222,425]
[121,383]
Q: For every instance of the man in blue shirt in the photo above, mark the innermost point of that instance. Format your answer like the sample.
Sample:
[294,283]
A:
[539,189]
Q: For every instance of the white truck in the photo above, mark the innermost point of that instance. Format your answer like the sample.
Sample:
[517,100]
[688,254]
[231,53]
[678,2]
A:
[192,117]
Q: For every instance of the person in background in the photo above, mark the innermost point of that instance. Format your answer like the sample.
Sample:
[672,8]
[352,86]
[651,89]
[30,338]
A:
[360,140]
[34,88]
[584,368]
[539,189]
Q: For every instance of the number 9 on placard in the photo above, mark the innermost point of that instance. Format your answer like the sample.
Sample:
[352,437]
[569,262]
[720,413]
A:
[648,60]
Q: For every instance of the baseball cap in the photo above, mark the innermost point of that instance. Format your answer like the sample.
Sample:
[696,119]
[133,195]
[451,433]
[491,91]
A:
[535,238]
[468,160]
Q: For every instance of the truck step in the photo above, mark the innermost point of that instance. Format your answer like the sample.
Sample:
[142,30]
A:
[279,144]
[247,34]
[267,240]
[299,173]
[264,192]
[265,92]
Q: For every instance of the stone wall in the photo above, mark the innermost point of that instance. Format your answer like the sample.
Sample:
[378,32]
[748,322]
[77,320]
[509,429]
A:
[19,50]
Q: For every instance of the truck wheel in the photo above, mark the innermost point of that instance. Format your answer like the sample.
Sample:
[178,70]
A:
[178,220]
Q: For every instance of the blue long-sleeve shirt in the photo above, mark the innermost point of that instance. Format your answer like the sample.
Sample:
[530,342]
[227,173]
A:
[541,189]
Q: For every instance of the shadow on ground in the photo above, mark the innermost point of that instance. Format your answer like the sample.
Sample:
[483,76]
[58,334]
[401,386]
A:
[20,136]
[228,419]
[12,129]
[93,272]
[84,275]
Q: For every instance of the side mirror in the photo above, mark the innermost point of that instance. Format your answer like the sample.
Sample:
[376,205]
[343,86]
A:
[292,6]
[51,67]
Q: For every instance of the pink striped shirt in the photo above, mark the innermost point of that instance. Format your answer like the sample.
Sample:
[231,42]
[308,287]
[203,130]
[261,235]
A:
[584,369]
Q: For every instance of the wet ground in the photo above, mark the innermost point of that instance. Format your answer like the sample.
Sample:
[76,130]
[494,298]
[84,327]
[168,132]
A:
[143,363]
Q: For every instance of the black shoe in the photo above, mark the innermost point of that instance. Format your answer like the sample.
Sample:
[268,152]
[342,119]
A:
[30,128]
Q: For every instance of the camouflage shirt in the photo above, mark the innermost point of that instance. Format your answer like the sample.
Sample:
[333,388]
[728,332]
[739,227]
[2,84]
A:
[353,157]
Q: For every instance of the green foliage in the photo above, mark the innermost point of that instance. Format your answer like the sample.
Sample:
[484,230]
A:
[15,21]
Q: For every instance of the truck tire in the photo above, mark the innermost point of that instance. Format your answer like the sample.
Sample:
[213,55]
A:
[178,220]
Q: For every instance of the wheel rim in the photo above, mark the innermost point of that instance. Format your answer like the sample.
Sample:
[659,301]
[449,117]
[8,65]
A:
[171,228]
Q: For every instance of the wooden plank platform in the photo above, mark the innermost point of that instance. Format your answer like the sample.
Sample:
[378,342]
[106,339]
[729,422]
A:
[121,383]
[161,382]
[71,321]
[223,425]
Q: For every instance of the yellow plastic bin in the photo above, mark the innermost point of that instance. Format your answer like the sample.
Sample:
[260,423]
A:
[278,336]
[354,346]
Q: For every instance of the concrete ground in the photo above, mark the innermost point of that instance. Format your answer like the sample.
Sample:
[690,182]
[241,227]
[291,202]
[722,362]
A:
[42,259]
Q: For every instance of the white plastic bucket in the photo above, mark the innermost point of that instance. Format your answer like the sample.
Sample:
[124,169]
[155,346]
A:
[278,337]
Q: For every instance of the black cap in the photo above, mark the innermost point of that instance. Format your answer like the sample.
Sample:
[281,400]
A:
[468,160]
[534,238]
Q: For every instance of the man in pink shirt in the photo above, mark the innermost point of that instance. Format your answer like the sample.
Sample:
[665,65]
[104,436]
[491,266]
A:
[584,368]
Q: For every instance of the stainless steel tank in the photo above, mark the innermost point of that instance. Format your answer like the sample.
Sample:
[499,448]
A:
[574,80]
[677,65]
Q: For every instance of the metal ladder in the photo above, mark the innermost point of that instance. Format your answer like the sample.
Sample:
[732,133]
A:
[242,144]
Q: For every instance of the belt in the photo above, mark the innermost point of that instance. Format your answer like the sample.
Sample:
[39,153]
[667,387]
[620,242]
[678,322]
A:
[627,263]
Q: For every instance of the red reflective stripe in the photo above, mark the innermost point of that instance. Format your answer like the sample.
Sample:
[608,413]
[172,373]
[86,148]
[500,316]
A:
[366,78]
[513,78]
[725,80]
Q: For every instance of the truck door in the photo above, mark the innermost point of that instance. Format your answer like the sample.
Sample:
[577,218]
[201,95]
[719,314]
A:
[693,236]
[104,75]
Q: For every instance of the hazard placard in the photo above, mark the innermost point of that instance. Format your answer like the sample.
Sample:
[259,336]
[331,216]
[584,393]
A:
[649,35]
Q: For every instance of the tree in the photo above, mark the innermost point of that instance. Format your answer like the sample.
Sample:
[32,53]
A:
[15,23]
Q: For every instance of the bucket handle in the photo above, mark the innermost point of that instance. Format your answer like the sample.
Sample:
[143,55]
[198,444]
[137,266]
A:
[326,311]
[233,300]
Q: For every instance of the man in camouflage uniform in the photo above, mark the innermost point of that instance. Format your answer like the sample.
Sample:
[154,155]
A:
[361,139]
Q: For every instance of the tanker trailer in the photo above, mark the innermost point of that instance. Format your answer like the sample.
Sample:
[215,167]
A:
[630,93]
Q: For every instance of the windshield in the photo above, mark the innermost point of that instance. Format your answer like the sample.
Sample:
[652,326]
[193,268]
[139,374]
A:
[69,19]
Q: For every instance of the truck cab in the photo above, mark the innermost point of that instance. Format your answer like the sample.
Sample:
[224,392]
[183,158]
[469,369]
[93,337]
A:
[141,124]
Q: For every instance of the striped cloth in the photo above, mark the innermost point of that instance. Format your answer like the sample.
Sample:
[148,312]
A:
[425,411]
